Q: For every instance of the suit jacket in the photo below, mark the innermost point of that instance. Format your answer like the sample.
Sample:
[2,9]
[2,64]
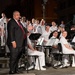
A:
[15,33]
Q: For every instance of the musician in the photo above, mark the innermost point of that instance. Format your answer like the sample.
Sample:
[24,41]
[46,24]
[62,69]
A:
[16,41]
[54,26]
[67,49]
[3,19]
[46,33]
[53,42]
[32,51]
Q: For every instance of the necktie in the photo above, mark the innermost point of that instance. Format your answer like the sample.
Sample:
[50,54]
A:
[20,25]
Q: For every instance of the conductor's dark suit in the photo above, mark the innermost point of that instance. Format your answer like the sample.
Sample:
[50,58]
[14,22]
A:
[16,34]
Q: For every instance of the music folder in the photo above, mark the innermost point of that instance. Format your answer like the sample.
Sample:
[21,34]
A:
[34,36]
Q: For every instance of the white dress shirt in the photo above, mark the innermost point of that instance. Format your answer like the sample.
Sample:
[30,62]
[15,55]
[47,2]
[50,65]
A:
[43,28]
[24,24]
[45,35]
[53,28]
[52,41]
[65,50]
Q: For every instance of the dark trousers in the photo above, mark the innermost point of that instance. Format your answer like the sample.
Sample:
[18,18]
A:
[15,54]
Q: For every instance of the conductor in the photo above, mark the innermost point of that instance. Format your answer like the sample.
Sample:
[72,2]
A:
[16,41]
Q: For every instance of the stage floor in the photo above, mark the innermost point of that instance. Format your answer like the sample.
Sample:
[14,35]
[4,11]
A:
[49,71]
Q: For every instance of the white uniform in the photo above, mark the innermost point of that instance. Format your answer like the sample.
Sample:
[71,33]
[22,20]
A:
[66,50]
[2,33]
[43,28]
[24,24]
[53,28]
[37,29]
[62,25]
[38,53]
[3,20]
[52,41]
[45,35]
[3,25]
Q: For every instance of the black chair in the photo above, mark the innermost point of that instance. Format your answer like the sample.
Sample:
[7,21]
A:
[70,55]
[57,56]
[73,45]
[33,63]
[48,58]
[47,47]
[25,60]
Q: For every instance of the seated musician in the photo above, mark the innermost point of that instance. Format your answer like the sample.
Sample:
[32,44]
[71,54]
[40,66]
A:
[53,41]
[32,51]
[46,33]
[44,37]
[67,49]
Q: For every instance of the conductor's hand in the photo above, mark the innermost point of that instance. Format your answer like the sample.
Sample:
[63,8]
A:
[14,44]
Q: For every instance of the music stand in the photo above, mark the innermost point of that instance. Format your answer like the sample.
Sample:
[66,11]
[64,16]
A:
[34,36]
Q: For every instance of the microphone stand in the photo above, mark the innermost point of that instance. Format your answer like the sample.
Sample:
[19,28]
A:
[68,22]
[5,35]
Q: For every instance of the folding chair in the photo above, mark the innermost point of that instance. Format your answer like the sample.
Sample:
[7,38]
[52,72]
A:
[35,56]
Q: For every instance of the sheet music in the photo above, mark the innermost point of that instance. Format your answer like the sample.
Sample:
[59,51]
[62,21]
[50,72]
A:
[50,42]
[73,40]
[40,41]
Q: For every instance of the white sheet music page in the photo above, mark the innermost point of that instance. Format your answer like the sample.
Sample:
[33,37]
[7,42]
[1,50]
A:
[73,40]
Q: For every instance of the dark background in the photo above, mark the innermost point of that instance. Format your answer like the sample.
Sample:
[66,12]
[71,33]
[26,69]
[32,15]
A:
[56,10]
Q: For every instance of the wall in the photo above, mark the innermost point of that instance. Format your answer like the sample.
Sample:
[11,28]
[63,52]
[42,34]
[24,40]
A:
[50,13]
[30,8]
[4,4]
